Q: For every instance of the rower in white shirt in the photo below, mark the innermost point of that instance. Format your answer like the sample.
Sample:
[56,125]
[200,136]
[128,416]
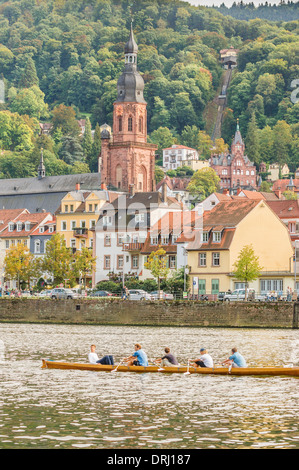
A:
[94,358]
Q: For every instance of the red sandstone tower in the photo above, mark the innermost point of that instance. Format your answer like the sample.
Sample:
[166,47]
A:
[126,158]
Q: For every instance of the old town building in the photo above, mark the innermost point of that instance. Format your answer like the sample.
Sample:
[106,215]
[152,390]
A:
[234,169]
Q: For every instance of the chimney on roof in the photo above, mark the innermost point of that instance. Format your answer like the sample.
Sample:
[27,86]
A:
[164,191]
[278,193]
[103,186]
[131,189]
[77,186]
[225,191]
[238,191]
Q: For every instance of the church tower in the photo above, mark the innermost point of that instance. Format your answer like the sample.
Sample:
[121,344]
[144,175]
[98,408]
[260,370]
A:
[127,160]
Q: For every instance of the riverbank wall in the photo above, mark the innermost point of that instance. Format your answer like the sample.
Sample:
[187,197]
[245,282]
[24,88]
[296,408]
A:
[146,313]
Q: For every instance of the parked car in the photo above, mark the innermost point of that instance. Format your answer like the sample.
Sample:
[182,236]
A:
[139,294]
[101,293]
[45,293]
[163,295]
[221,295]
[62,293]
[239,294]
[26,293]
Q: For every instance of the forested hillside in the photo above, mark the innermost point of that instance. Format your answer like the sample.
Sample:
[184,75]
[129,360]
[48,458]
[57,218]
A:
[284,11]
[60,61]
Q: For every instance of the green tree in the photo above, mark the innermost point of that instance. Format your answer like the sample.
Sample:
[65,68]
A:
[96,150]
[247,266]
[71,150]
[282,138]
[252,141]
[157,265]
[58,260]
[87,141]
[64,118]
[203,183]
[162,137]
[30,101]
[84,263]
[28,77]
[159,174]
[21,265]
[15,133]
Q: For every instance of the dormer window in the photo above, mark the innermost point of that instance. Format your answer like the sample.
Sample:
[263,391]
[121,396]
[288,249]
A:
[154,240]
[27,226]
[165,239]
[41,229]
[216,237]
[205,237]
[66,208]
[11,227]
[51,229]
[19,226]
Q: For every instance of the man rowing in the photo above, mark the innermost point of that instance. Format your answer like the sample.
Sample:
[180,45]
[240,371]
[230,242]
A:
[236,359]
[138,358]
[94,358]
[205,359]
[168,359]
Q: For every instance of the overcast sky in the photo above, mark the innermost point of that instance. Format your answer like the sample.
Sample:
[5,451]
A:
[228,3]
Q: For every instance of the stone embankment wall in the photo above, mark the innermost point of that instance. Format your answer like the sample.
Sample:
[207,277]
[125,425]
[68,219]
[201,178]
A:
[159,313]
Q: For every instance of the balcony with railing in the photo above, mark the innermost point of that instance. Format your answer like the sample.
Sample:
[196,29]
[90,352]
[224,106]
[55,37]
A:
[133,247]
[81,232]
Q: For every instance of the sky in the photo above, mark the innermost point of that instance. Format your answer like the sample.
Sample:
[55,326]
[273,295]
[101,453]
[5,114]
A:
[228,3]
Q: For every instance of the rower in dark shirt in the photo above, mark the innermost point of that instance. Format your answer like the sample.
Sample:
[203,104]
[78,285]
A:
[168,359]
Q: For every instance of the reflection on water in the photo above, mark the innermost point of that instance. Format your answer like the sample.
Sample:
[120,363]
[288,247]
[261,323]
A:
[78,409]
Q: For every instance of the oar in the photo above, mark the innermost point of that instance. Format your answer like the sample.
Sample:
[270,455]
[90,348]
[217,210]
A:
[187,373]
[160,368]
[114,370]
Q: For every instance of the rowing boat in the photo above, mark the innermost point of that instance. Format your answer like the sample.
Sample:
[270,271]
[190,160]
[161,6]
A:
[266,371]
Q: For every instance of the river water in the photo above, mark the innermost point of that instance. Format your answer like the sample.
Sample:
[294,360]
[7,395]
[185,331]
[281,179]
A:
[49,409]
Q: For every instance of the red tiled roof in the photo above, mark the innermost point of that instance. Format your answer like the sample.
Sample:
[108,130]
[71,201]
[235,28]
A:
[8,215]
[35,219]
[282,184]
[179,147]
[285,209]
[223,217]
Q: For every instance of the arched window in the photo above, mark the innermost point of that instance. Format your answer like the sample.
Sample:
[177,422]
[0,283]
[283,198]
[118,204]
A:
[37,246]
[130,124]
[120,124]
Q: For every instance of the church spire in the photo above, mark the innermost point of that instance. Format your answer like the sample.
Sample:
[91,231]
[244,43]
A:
[238,137]
[130,84]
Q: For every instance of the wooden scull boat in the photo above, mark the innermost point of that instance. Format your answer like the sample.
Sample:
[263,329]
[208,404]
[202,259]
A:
[260,371]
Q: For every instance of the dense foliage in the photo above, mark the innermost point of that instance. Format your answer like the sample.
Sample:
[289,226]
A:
[60,61]
[284,11]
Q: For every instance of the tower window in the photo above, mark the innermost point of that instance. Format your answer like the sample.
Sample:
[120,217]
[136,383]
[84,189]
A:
[120,124]
[140,124]
[130,124]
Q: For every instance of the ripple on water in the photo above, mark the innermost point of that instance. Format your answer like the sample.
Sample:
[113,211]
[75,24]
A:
[65,409]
